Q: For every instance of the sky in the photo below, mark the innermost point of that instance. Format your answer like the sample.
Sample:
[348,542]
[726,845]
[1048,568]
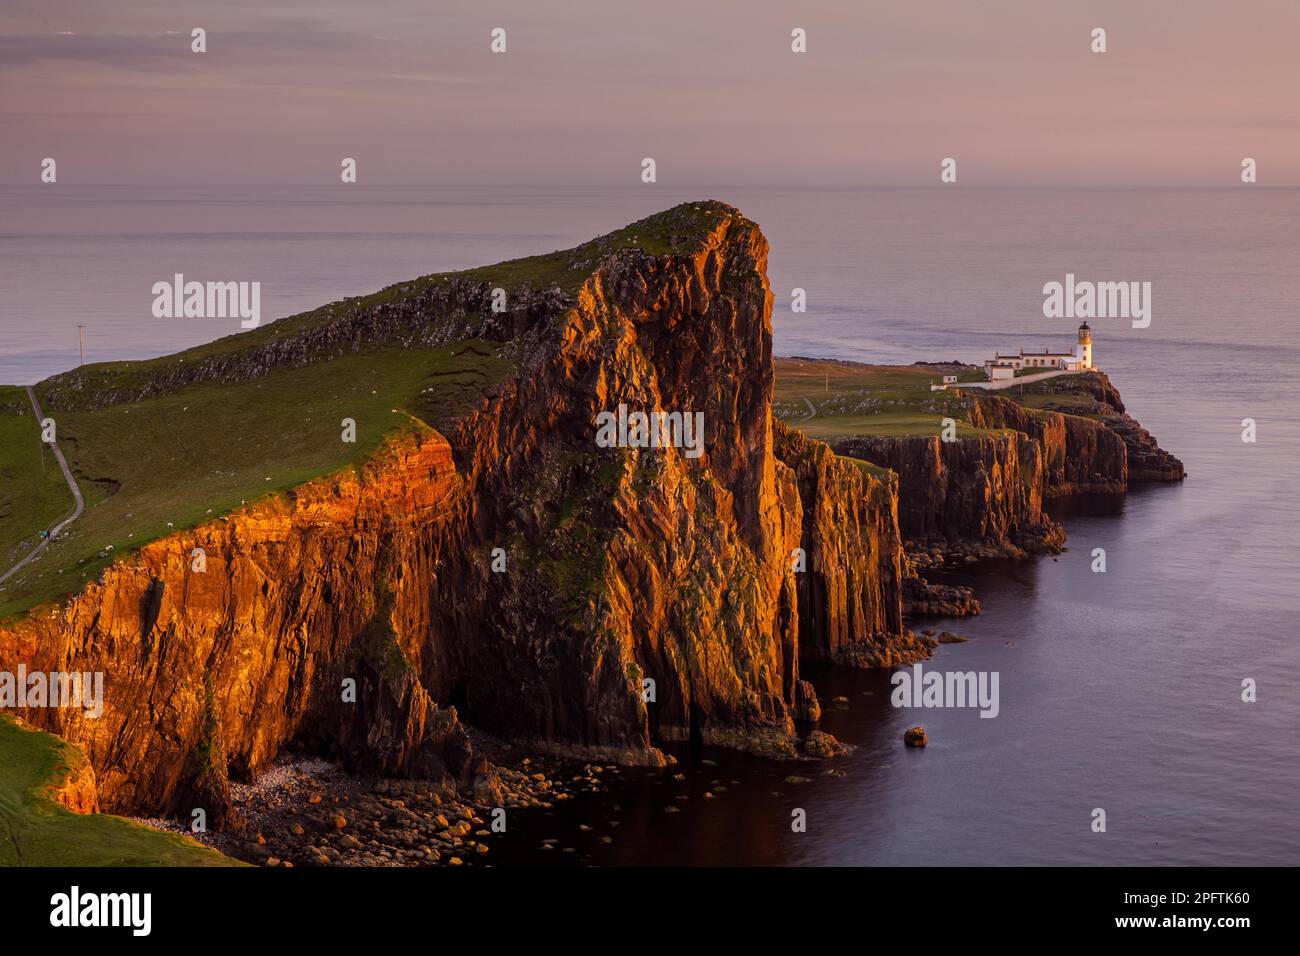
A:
[708,88]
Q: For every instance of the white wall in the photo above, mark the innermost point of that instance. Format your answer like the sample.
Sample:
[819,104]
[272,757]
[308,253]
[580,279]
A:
[1001,383]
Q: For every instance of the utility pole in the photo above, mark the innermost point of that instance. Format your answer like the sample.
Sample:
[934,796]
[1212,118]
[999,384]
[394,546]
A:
[81,335]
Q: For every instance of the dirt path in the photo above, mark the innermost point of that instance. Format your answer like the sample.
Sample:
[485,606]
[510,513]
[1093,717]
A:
[72,484]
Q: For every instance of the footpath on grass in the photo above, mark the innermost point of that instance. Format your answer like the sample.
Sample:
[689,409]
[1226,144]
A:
[72,484]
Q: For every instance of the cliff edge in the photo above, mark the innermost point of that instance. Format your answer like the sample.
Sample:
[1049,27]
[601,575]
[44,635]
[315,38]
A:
[488,560]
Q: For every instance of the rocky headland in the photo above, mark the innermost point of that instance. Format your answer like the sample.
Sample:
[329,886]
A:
[494,568]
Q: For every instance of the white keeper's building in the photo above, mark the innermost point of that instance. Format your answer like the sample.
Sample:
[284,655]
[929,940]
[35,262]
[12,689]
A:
[1006,366]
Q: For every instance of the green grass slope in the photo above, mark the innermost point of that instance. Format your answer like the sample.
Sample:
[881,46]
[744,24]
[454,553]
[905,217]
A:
[37,831]
[171,462]
[852,399]
[33,494]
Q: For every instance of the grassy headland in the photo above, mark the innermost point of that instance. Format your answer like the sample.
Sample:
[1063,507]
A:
[189,453]
[37,831]
[849,398]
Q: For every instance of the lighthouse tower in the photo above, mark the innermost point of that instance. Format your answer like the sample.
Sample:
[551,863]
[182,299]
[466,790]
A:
[1083,351]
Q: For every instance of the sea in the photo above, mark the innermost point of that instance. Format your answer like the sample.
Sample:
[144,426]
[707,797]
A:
[1120,691]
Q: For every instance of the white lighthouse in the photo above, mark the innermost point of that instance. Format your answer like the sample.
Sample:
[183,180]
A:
[1006,368]
[1083,351]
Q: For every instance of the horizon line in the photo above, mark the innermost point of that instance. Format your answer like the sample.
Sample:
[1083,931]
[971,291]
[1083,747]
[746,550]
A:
[593,186]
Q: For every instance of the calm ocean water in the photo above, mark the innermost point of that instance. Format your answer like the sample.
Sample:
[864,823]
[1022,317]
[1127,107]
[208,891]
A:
[1118,690]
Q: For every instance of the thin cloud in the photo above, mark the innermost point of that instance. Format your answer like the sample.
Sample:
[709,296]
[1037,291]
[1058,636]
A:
[171,49]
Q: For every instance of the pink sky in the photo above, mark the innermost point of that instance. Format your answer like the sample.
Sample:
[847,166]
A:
[709,88]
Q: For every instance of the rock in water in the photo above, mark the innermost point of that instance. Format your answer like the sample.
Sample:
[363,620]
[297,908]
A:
[806,705]
[823,746]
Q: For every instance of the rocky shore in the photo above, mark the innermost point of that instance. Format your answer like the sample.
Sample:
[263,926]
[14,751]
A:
[309,812]
[306,812]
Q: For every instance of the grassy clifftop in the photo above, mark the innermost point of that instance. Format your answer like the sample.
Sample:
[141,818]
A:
[441,307]
[147,468]
[167,443]
[829,399]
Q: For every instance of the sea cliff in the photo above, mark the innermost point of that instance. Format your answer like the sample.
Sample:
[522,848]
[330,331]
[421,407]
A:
[984,493]
[491,566]
[503,570]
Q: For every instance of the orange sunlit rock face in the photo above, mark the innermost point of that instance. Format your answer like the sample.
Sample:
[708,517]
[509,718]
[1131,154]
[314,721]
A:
[622,565]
